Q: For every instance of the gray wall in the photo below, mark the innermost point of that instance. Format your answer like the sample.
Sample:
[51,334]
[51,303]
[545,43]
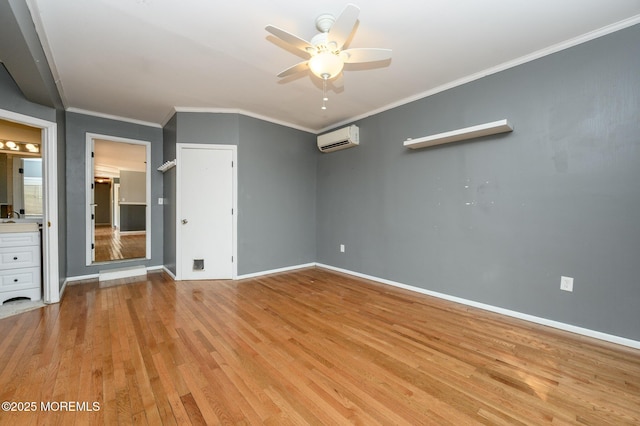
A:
[276,196]
[22,54]
[500,219]
[12,99]
[276,187]
[133,218]
[77,126]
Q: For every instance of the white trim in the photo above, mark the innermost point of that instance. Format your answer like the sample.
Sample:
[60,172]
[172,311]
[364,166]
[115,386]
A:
[50,271]
[506,65]
[72,280]
[501,67]
[493,70]
[234,219]
[50,198]
[275,271]
[63,288]
[119,261]
[88,172]
[234,191]
[543,321]
[156,268]
[130,233]
[168,272]
[46,47]
[113,117]
[239,111]
[129,272]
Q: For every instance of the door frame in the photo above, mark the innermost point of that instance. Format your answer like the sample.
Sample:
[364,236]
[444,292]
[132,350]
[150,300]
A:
[234,193]
[89,177]
[115,206]
[50,267]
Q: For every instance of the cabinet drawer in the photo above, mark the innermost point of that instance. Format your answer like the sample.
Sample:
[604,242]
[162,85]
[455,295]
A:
[16,239]
[19,257]
[19,279]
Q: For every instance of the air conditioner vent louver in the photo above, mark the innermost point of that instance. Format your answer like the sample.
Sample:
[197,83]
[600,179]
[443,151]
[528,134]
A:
[333,145]
[346,137]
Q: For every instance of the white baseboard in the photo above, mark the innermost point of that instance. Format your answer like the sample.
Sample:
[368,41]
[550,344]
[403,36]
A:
[543,321]
[63,288]
[71,280]
[132,232]
[168,272]
[531,318]
[116,274]
[275,271]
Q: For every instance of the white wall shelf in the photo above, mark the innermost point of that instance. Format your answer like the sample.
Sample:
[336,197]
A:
[493,128]
[168,165]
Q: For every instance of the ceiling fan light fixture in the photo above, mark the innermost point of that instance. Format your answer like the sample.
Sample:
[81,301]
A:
[326,65]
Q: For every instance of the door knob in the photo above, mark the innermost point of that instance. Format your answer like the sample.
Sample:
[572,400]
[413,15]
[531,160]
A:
[185,221]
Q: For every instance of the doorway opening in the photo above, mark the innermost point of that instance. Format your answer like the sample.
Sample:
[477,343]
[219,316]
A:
[45,176]
[118,199]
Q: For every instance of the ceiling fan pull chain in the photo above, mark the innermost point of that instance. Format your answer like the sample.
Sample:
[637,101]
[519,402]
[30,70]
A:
[324,93]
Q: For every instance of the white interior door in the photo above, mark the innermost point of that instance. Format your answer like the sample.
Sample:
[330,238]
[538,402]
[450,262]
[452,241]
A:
[205,212]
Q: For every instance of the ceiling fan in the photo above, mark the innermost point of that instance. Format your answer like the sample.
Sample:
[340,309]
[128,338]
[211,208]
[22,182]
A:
[326,57]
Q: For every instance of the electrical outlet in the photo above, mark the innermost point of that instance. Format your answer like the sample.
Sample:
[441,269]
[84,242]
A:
[341,248]
[566,283]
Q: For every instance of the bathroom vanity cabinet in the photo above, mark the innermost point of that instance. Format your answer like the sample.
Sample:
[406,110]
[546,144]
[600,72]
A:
[20,263]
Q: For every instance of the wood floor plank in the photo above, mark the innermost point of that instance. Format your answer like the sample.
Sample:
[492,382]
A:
[111,244]
[304,347]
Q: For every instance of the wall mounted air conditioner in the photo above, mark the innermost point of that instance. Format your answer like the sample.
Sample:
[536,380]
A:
[339,139]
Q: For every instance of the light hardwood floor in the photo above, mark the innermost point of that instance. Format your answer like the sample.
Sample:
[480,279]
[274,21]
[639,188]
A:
[306,347]
[113,245]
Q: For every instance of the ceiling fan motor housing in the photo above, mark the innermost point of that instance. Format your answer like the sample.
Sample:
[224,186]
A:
[322,44]
[324,22]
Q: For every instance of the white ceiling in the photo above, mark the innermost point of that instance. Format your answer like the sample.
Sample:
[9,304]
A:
[143,59]
[111,157]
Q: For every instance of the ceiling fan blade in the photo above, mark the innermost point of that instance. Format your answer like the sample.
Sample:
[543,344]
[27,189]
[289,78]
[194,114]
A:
[358,55]
[302,66]
[344,24]
[291,39]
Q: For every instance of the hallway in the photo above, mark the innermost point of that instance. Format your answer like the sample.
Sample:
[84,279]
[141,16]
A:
[113,245]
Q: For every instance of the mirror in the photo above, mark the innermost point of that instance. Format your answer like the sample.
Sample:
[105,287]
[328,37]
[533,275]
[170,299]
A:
[118,199]
[20,172]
